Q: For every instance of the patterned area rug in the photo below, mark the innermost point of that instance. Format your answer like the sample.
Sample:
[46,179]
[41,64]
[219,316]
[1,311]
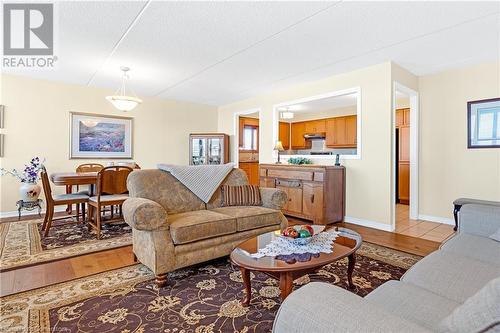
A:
[22,243]
[200,299]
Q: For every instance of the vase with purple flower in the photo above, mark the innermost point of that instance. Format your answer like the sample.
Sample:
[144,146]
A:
[29,177]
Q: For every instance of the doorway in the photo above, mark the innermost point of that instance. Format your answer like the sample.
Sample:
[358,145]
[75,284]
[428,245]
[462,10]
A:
[247,138]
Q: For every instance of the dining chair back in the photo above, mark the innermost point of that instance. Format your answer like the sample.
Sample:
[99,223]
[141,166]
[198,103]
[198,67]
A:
[64,199]
[113,180]
[89,167]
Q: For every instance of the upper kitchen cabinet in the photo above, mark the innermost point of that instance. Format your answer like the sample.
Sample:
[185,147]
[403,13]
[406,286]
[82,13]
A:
[298,140]
[315,126]
[248,134]
[402,117]
[341,132]
[284,134]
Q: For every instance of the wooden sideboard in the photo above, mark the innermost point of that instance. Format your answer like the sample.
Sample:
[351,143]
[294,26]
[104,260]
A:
[315,192]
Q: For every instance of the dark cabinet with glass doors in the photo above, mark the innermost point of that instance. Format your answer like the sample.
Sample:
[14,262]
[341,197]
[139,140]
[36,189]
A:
[208,149]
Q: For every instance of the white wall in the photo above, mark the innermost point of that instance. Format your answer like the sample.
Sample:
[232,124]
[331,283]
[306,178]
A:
[37,124]
[368,179]
[448,170]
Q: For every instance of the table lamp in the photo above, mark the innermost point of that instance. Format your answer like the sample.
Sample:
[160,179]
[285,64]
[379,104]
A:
[279,147]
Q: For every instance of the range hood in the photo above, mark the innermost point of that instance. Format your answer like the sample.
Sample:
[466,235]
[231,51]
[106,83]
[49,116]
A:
[314,136]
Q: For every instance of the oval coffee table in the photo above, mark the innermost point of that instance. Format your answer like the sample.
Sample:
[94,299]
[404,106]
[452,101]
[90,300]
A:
[345,245]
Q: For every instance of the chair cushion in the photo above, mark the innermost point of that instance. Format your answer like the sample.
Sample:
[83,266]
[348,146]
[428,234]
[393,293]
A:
[199,224]
[475,247]
[251,217]
[412,303]
[240,195]
[110,197]
[479,313]
[61,197]
[466,201]
[451,275]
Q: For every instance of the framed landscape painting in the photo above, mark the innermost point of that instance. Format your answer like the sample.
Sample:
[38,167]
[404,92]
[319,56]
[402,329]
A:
[97,136]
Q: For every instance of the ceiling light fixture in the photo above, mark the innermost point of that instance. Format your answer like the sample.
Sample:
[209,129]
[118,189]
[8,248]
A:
[121,100]
[286,114]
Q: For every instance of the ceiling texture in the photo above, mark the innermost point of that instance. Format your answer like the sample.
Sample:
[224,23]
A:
[221,52]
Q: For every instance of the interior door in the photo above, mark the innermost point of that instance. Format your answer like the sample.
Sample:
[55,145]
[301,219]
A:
[198,151]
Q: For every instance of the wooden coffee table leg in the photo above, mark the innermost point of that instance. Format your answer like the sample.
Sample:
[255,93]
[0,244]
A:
[286,284]
[245,275]
[350,268]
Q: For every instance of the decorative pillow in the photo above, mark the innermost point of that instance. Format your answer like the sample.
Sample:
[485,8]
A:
[496,235]
[479,313]
[240,195]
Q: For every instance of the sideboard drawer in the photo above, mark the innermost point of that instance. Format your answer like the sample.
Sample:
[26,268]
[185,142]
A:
[290,174]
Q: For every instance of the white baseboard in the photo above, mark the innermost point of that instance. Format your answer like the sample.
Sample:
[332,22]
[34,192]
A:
[14,213]
[368,223]
[438,219]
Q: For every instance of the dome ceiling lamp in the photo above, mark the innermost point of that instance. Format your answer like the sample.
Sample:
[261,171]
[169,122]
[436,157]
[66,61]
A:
[121,100]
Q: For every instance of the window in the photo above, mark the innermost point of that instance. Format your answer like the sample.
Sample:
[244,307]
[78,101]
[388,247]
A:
[484,124]
[250,137]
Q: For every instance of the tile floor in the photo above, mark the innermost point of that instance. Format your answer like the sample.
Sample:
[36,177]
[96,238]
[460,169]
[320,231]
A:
[437,232]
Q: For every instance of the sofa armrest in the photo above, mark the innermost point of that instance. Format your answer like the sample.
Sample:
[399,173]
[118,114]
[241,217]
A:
[273,198]
[323,308]
[145,214]
[480,220]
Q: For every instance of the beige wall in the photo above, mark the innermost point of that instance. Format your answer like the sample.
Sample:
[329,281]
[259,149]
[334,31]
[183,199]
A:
[368,179]
[37,118]
[448,169]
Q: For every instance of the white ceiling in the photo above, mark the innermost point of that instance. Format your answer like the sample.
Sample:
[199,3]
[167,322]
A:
[220,52]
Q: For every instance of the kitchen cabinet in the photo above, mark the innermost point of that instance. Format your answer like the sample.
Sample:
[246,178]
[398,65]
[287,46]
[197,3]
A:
[284,134]
[252,171]
[209,148]
[297,137]
[403,126]
[341,132]
[402,117]
[404,182]
[315,126]
[316,193]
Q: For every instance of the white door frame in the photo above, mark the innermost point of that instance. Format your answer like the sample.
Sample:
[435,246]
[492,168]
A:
[236,131]
[414,156]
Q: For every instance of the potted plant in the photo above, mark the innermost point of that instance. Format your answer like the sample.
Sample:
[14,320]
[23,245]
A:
[29,190]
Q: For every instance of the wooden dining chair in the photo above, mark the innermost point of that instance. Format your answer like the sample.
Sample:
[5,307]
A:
[111,191]
[58,200]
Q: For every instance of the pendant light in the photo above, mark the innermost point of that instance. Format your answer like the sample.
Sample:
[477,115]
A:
[286,114]
[121,100]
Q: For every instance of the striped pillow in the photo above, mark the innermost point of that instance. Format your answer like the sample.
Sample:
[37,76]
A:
[240,195]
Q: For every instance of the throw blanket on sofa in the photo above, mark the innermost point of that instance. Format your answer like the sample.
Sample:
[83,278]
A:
[202,180]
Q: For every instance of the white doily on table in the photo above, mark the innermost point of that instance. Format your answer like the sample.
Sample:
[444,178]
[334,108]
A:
[321,242]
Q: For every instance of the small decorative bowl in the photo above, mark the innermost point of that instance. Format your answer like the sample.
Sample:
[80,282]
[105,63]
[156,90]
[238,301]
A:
[303,241]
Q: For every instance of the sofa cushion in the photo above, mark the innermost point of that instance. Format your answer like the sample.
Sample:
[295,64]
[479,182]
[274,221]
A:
[479,313]
[451,275]
[475,247]
[199,224]
[235,177]
[251,217]
[240,195]
[412,303]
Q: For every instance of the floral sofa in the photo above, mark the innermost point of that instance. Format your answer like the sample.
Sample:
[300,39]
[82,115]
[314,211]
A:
[172,228]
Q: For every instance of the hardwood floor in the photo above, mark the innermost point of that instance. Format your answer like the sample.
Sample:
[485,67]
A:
[68,269]
[432,231]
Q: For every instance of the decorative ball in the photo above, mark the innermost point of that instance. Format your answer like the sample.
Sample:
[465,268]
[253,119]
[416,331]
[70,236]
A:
[304,233]
[308,228]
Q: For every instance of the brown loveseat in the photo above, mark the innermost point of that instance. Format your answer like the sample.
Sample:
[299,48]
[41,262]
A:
[173,228]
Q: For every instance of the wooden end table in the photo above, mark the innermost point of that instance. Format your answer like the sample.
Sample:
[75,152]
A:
[345,245]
